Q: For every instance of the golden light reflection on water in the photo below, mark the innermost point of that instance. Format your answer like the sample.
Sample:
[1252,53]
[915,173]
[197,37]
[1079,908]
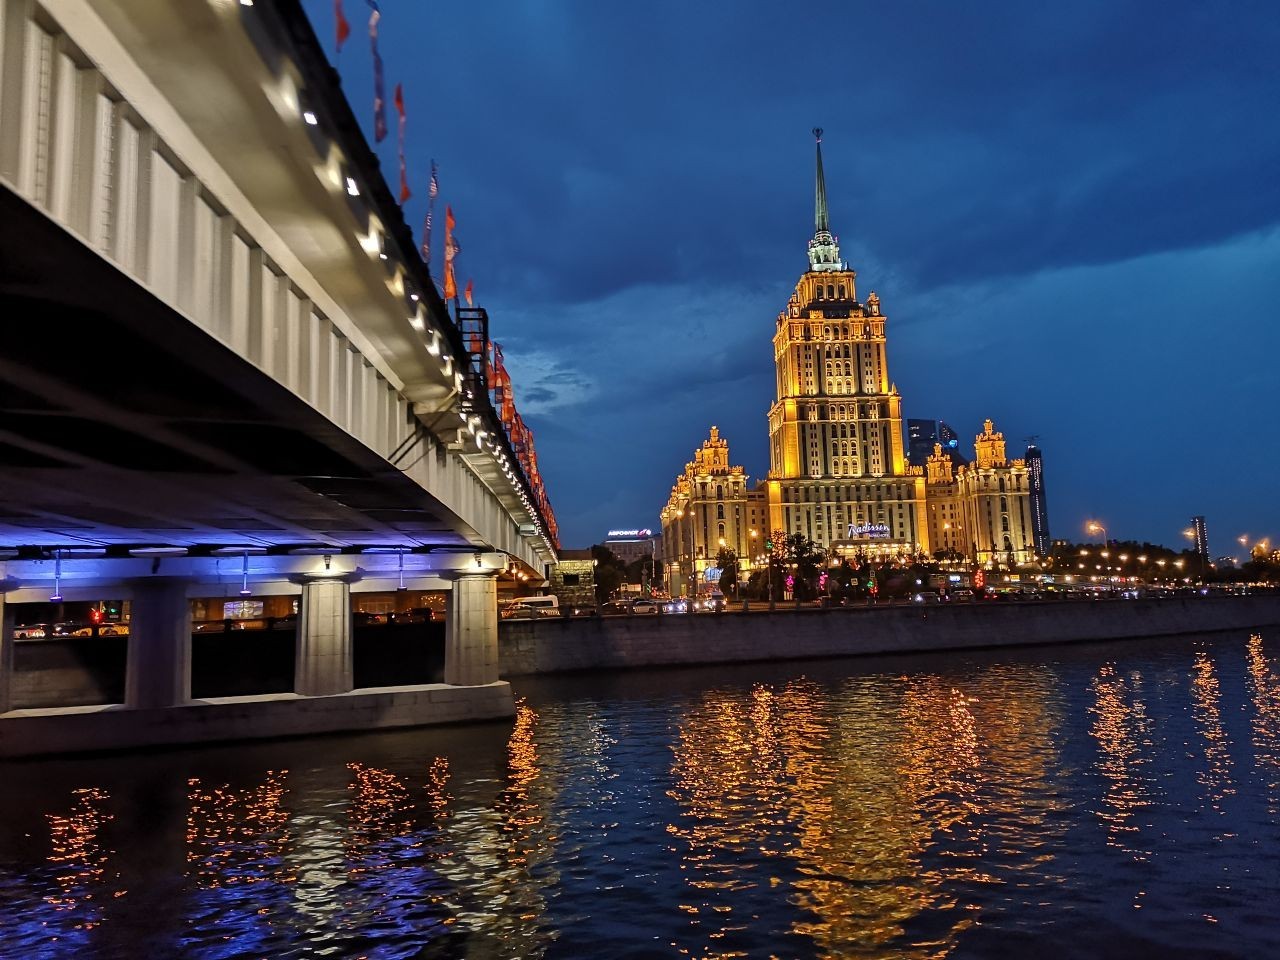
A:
[1206,698]
[1122,730]
[78,856]
[871,806]
[1264,689]
[237,836]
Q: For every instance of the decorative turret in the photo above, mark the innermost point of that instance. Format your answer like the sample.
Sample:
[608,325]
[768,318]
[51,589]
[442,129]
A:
[989,447]
[939,466]
[824,251]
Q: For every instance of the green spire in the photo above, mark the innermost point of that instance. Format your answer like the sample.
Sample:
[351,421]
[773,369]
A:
[824,252]
[821,222]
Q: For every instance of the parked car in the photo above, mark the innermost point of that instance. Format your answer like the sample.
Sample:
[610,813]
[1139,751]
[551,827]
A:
[531,608]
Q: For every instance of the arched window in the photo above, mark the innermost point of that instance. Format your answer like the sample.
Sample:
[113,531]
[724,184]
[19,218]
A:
[720,515]
[1002,484]
[842,291]
[819,291]
[719,491]
[720,532]
[1004,525]
[831,291]
[1004,503]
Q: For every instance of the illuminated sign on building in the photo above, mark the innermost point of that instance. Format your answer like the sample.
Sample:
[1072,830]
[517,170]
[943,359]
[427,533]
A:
[630,534]
[874,531]
[712,574]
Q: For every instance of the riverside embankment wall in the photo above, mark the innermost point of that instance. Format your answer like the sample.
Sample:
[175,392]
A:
[606,643]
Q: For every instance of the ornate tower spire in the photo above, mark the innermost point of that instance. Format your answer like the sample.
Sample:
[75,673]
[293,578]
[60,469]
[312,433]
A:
[821,221]
[824,252]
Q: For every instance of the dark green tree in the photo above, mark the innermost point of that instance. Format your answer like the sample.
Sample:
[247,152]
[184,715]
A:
[727,561]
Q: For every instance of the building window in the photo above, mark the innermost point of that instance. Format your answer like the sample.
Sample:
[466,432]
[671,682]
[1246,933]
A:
[720,512]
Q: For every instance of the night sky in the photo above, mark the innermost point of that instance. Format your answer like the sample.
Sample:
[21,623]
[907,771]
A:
[1071,214]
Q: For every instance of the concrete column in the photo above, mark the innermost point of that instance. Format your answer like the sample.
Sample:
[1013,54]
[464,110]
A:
[6,656]
[323,665]
[471,630]
[158,670]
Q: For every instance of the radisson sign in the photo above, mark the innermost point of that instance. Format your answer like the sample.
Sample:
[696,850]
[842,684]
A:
[872,531]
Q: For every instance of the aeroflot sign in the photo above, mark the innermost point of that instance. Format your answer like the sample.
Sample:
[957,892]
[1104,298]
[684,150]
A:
[873,531]
[630,534]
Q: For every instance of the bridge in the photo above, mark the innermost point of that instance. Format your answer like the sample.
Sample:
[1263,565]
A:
[226,369]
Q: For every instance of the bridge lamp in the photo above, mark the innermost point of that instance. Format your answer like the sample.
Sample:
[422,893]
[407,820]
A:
[57,577]
[244,577]
[401,556]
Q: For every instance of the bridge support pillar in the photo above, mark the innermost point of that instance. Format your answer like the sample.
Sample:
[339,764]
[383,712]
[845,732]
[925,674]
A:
[323,665]
[471,630]
[158,666]
[6,656]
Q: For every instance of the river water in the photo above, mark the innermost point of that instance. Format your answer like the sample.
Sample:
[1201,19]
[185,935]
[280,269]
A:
[1118,800]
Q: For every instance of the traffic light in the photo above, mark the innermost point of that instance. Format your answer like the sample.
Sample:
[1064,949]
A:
[768,544]
[111,609]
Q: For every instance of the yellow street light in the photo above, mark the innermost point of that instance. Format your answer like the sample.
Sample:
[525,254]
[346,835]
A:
[1093,526]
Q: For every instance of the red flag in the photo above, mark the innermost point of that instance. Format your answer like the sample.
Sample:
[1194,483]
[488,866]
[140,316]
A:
[450,250]
[341,27]
[469,291]
[404,180]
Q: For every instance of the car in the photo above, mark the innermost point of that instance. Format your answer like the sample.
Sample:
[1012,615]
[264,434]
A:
[711,604]
[926,596]
[645,606]
[32,631]
[962,594]
[677,605]
[616,608]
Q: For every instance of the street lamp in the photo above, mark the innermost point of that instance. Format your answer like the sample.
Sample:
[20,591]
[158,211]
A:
[1093,526]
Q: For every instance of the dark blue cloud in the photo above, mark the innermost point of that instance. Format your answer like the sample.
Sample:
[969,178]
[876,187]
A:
[1024,185]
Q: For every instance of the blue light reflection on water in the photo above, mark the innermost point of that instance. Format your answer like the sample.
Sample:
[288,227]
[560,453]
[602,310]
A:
[1104,800]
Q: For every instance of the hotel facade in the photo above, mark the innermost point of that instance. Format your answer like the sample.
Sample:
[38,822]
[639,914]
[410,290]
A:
[838,473]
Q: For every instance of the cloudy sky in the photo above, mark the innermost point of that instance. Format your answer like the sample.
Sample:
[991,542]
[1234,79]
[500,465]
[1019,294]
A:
[1071,214]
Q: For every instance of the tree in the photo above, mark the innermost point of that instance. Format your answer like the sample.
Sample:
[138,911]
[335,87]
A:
[727,561]
[806,560]
[610,573]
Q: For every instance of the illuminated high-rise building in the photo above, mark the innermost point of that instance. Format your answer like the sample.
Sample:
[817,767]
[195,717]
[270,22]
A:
[923,434]
[1039,505]
[837,469]
[1201,536]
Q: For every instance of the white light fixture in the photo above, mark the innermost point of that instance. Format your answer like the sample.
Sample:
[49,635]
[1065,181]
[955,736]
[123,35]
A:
[244,577]
[352,189]
[310,117]
[414,297]
[401,570]
[57,577]
[246,3]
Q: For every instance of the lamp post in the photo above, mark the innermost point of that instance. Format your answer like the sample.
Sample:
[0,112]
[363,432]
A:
[1093,526]
[693,561]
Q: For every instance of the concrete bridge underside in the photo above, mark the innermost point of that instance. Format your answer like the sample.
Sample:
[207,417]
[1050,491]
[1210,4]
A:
[220,340]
